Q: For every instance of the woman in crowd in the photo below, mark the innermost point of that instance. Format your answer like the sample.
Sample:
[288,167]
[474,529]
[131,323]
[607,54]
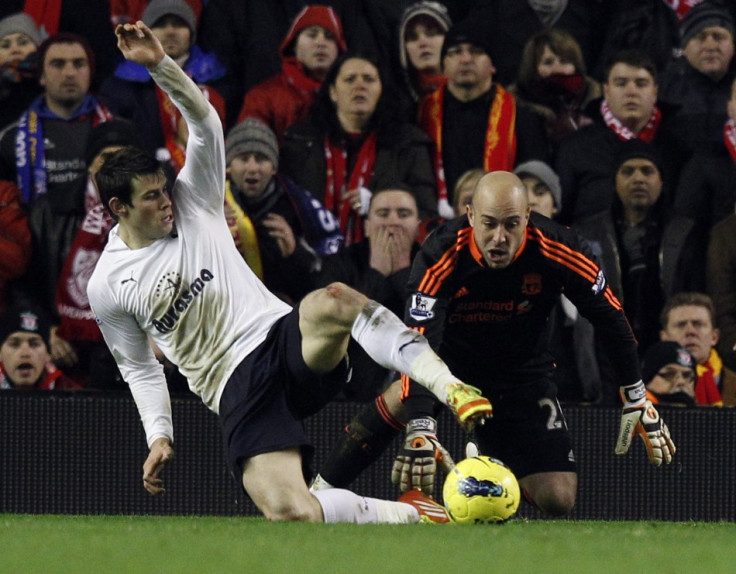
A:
[354,142]
[552,80]
[421,33]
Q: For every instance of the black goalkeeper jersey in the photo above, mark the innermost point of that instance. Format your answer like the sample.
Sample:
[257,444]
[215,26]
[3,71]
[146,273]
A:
[489,325]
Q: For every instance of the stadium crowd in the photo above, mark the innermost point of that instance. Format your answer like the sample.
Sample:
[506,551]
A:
[352,131]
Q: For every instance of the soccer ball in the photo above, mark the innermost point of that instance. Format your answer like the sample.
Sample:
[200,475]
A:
[480,490]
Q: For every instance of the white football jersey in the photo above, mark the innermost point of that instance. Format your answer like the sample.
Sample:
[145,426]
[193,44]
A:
[191,293]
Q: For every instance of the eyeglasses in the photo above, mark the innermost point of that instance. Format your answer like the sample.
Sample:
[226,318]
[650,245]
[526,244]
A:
[671,375]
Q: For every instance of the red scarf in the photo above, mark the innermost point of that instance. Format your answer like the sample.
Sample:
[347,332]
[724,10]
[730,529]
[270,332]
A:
[624,133]
[500,148]
[295,75]
[729,137]
[170,120]
[681,7]
[339,181]
[706,387]
[77,319]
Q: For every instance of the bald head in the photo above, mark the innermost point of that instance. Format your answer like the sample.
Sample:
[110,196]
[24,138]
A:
[499,214]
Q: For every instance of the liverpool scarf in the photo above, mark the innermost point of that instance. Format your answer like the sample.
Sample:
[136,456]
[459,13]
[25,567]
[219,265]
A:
[624,133]
[339,181]
[500,144]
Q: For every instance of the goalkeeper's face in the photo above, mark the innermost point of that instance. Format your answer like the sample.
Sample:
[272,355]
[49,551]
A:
[499,213]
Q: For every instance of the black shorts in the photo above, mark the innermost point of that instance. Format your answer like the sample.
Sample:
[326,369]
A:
[528,431]
[270,392]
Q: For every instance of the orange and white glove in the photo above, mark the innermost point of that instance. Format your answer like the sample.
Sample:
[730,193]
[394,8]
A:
[415,467]
[639,417]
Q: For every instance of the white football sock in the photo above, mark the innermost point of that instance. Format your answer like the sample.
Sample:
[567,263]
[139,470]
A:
[340,505]
[395,346]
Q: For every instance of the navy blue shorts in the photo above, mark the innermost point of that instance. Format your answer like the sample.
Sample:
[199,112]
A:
[528,431]
[270,392]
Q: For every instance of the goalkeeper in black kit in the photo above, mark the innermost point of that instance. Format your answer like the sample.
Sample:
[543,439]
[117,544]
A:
[481,290]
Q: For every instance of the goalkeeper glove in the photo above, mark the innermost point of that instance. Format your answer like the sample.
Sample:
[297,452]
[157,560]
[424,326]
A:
[639,417]
[416,464]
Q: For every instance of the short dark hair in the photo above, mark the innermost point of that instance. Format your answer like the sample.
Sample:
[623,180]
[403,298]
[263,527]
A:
[631,57]
[66,38]
[687,298]
[119,169]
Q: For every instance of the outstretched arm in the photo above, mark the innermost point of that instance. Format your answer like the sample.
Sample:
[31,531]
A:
[138,44]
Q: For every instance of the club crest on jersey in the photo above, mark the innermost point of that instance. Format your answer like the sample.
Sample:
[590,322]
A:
[531,284]
[600,283]
[421,307]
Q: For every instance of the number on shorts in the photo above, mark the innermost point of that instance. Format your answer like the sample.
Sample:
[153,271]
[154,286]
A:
[555,420]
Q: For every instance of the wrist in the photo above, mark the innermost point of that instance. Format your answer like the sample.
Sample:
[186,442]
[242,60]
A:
[424,425]
[633,395]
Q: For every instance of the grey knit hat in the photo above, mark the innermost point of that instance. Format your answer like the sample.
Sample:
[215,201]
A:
[157,9]
[705,15]
[428,8]
[252,135]
[20,23]
[543,173]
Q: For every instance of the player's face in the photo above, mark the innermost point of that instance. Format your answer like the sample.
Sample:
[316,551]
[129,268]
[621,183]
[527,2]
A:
[316,49]
[691,327]
[423,44]
[24,357]
[631,93]
[395,211]
[174,35]
[150,217]
[673,378]
[467,66]
[638,183]
[550,63]
[540,197]
[66,74]
[499,214]
[251,173]
[356,90]
[16,47]
[710,51]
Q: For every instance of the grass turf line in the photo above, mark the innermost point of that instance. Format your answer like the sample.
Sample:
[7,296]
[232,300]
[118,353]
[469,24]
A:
[129,544]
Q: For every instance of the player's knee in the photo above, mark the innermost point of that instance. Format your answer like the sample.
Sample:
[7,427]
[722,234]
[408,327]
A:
[555,501]
[336,303]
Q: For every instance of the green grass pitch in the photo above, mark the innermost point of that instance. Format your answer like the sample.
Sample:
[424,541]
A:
[150,544]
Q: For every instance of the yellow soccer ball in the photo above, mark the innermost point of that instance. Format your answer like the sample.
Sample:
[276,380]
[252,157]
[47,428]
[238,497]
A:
[480,490]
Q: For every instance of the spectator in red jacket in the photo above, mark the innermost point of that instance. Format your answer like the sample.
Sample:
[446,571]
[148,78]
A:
[311,45]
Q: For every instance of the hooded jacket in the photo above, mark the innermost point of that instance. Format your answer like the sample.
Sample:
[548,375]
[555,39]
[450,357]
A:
[286,98]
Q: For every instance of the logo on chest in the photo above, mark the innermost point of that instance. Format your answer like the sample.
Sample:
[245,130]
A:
[531,284]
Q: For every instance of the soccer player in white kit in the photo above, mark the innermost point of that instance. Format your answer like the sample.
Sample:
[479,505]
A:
[170,272]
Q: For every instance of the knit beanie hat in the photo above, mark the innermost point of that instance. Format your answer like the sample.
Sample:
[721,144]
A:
[467,32]
[543,173]
[427,8]
[157,9]
[27,319]
[252,135]
[113,133]
[322,16]
[661,354]
[702,16]
[20,23]
[636,148]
